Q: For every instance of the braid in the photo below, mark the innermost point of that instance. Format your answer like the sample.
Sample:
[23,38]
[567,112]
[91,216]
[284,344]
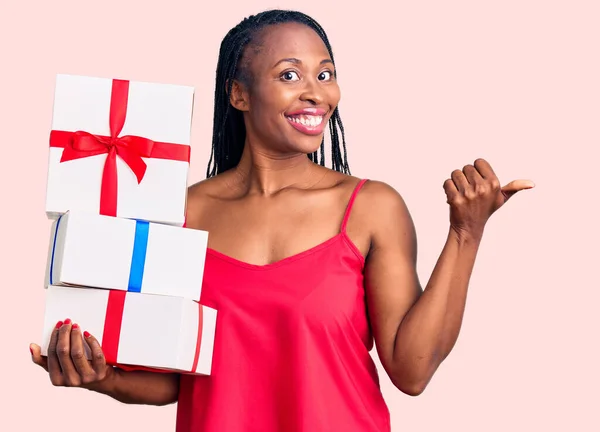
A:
[229,131]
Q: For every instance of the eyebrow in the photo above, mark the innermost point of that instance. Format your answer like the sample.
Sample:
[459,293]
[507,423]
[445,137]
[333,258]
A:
[297,61]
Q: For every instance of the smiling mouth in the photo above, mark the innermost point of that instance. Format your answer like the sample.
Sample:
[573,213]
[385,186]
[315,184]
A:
[308,121]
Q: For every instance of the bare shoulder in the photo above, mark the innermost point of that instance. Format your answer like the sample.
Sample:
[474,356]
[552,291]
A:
[381,208]
[382,195]
[219,186]
[205,193]
[202,189]
[380,200]
[377,205]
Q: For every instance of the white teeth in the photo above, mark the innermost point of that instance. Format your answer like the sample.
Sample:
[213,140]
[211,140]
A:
[307,120]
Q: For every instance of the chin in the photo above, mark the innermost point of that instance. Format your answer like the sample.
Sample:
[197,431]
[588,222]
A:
[306,145]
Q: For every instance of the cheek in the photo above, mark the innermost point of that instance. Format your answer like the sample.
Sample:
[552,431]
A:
[334,94]
[271,100]
[282,98]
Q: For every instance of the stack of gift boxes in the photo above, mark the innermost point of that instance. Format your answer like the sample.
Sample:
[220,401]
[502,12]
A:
[121,263]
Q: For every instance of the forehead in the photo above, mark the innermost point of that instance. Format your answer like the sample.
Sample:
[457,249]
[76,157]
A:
[290,40]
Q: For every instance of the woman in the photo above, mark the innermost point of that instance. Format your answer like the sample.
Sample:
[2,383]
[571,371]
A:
[307,266]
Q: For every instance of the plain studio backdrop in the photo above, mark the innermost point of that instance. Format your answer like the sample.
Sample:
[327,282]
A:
[427,87]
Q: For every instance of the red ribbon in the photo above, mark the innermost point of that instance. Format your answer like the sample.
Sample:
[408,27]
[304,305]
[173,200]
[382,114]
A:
[112,325]
[112,333]
[131,149]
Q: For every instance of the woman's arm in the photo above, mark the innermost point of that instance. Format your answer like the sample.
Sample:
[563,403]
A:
[140,387]
[416,329]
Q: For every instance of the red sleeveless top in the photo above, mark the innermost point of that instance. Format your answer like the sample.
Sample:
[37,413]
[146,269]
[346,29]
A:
[292,346]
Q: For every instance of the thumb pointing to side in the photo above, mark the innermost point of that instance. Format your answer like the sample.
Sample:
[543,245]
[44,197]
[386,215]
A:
[515,186]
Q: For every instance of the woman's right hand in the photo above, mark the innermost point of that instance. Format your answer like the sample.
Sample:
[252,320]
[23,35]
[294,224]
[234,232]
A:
[67,363]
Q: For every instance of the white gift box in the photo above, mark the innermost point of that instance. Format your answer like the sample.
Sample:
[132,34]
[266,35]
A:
[150,331]
[87,110]
[97,251]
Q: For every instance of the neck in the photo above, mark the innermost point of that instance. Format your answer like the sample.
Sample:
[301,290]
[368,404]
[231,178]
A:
[267,173]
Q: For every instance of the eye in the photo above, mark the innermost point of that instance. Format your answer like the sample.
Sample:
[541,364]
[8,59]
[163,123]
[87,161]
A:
[325,75]
[290,76]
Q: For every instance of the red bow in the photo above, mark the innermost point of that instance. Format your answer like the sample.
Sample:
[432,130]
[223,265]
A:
[131,149]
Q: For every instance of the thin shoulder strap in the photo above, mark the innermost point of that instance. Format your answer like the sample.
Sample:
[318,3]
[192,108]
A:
[351,203]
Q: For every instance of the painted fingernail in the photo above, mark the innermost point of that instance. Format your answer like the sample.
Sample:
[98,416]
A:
[59,324]
[75,326]
[86,334]
[67,321]
[31,350]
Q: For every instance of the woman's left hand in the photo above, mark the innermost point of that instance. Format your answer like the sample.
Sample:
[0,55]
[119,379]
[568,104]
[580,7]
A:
[474,194]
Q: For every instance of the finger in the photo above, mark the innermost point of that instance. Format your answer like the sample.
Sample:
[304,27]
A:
[63,349]
[54,369]
[450,189]
[472,175]
[460,181]
[98,359]
[515,186]
[78,356]
[484,169]
[37,358]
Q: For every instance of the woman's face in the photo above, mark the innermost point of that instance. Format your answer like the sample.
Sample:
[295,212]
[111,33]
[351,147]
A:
[292,93]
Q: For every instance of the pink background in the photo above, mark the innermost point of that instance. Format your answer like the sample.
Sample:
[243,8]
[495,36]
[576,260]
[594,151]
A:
[427,87]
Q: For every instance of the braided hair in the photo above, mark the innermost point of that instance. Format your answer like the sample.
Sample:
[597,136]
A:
[229,130]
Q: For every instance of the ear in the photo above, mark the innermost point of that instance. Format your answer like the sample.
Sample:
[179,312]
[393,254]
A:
[239,96]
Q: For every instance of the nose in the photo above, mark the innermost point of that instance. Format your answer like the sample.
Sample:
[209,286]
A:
[312,93]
